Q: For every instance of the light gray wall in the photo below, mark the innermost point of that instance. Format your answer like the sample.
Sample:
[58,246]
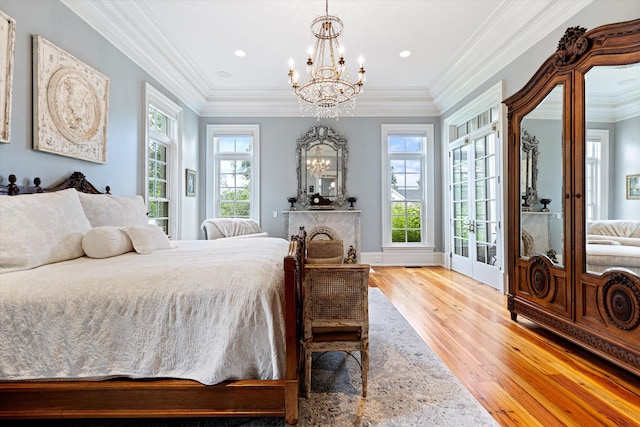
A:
[278,180]
[625,161]
[56,23]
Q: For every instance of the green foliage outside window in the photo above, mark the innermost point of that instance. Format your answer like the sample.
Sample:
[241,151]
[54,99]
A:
[406,220]
[235,202]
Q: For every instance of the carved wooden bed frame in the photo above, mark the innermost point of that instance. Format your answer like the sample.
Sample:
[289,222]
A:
[151,398]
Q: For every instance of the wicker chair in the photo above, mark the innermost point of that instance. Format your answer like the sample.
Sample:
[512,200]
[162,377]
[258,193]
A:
[336,314]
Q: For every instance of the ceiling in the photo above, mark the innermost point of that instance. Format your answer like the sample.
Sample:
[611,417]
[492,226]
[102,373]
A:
[188,46]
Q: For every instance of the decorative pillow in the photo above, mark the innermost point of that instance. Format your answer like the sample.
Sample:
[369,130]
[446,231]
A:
[108,210]
[147,238]
[39,229]
[105,242]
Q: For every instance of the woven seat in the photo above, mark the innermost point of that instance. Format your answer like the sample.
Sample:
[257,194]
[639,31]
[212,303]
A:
[336,314]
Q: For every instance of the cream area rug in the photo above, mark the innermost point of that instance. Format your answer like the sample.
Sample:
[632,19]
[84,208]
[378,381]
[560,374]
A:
[408,386]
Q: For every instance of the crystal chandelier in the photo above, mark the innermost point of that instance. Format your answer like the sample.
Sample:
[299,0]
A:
[327,87]
[318,166]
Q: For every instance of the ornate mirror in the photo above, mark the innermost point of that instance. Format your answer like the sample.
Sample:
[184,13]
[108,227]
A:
[541,178]
[321,157]
[611,169]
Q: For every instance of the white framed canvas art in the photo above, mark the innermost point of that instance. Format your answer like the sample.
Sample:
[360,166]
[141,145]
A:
[70,104]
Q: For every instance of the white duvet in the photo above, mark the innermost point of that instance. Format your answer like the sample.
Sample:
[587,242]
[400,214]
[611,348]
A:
[205,310]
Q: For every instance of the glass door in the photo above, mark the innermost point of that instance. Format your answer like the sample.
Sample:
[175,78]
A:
[475,245]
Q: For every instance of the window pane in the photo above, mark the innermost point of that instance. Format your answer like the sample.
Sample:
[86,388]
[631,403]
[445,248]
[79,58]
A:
[161,170]
[158,121]
[413,236]
[153,209]
[163,209]
[235,144]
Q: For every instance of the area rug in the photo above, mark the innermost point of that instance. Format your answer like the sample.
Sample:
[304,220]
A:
[408,386]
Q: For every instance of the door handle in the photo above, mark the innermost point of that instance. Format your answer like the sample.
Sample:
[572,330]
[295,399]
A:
[471,226]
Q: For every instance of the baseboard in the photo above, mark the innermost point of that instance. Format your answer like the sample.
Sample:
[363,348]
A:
[403,259]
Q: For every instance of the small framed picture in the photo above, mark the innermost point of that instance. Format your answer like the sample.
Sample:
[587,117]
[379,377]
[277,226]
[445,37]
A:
[633,187]
[191,183]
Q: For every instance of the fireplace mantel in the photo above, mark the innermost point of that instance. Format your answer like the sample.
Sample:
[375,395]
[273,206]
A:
[340,224]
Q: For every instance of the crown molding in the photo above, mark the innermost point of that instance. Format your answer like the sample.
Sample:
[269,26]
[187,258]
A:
[149,49]
[256,102]
[513,28]
[518,25]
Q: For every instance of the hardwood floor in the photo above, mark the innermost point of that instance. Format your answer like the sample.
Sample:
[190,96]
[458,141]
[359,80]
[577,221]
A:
[522,374]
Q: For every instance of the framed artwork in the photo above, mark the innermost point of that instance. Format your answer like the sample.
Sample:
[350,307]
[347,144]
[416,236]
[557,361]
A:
[7,45]
[633,187]
[70,104]
[191,183]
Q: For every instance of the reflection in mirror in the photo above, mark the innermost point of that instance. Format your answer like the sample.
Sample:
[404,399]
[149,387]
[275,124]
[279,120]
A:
[321,156]
[612,150]
[529,166]
[541,178]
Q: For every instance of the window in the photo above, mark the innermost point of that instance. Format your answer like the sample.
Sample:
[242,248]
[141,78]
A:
[164,119]
[595,173]
[408,188]
[233,171]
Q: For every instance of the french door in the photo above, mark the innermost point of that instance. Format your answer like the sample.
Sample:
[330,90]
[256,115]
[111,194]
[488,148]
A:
[476,248]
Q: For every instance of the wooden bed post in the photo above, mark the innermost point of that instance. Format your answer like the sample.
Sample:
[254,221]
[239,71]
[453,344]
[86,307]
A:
[293,286]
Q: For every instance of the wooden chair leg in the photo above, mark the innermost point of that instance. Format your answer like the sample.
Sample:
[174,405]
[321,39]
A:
[308,354]
[364,362]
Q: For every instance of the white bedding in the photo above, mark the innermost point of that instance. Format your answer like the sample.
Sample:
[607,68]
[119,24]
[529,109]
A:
[208,310]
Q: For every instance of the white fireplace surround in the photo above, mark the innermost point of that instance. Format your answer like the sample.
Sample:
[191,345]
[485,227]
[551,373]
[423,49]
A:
[335,224]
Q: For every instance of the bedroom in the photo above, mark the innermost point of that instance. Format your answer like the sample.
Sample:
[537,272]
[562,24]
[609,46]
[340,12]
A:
[122,170]
[278,134]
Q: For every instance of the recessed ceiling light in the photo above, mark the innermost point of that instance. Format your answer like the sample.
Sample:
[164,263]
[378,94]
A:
[224,74]
[405,53]
[240,53]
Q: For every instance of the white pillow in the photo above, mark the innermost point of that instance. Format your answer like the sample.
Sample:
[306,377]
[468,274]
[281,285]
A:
[105,242]
[39,229]
[147,238]
[105,209]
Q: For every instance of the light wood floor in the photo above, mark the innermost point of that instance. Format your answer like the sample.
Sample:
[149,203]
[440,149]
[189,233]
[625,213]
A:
[522,374]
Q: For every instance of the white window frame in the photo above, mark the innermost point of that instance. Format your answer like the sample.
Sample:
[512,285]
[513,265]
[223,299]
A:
[212,166]
[427,245]
[602,178]
[175,180]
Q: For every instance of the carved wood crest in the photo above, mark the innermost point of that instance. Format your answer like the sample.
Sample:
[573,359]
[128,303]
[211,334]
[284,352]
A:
[571,46]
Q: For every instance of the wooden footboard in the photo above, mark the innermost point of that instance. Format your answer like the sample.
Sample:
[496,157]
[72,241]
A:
[127,398]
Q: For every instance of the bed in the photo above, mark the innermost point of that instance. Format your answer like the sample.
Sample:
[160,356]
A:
[133,324]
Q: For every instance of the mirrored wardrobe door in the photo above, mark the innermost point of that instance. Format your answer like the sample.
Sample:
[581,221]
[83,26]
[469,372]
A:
[542,173]
[612,168]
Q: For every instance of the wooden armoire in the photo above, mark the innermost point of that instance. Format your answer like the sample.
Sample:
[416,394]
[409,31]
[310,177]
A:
[574,193]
